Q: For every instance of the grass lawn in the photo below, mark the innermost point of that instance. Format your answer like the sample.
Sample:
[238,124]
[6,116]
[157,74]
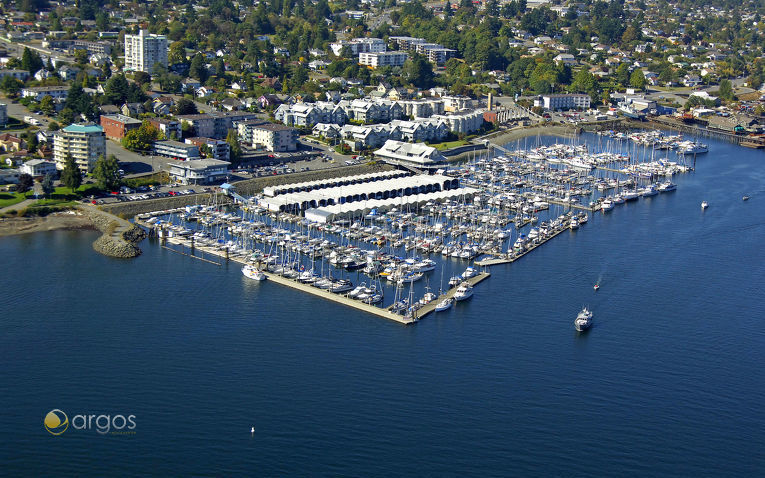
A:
[153,180]
[449,144]
[9,199]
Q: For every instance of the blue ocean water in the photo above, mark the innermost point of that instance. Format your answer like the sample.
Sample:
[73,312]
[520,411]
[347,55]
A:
[669,381]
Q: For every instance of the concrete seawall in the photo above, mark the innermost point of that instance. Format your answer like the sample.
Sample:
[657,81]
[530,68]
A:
[130,209]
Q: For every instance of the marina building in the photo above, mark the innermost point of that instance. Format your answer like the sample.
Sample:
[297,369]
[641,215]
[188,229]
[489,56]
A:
[144,50]
[176,150]
[85,142]
[198,171]
[117,125]
[417,155]
[385,189]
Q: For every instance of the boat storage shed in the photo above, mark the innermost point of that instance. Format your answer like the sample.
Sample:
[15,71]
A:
[272,191]
[297,202]
[328,213]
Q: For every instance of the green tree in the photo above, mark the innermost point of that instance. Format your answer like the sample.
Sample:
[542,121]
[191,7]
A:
[47,106]
[115,90]
[70,175]
[10,85]
[637,80]
[142,78]
[185,106]
[47,185]
[106,70]
[81,56]
[106,173]
[726,90]
[418,71]
[235,148]
[25,183]
[141,139]
[177,53]
[31,61]
[198,69]
[623,74]
[53,126]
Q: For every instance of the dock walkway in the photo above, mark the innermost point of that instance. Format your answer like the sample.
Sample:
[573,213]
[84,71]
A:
[510,258]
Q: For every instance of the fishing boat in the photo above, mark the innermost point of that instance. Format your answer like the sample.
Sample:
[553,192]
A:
[252,272]
[583,320]
[596,287]
[745,198]
[704,204]
[444,304]
[463,292]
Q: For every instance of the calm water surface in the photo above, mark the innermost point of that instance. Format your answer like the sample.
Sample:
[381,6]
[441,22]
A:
[669,381]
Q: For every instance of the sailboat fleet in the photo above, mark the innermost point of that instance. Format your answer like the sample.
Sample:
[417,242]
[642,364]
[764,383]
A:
[525,197]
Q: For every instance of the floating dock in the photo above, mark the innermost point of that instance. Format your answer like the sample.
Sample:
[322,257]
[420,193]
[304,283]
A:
[323,293]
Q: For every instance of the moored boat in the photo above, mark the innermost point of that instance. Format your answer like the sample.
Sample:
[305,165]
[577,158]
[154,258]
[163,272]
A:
[253,273]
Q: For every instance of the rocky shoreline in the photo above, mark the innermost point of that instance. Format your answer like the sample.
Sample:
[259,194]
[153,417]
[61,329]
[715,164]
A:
[119,237]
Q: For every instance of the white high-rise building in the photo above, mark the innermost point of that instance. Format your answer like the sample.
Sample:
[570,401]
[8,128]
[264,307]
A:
[144,50]
[85,142]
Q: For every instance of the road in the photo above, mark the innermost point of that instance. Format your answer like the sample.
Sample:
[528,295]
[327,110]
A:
[18,111]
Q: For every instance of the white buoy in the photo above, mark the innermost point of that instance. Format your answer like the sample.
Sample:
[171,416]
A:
[252,430]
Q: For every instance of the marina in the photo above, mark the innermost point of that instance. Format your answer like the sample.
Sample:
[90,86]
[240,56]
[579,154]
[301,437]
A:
[387,243]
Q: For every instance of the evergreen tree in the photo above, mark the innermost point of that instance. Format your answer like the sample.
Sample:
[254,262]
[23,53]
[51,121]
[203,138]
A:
[31,61]
[233,143]
[71,176]
[26,182]
[47,185]
[197,69]
[106,173]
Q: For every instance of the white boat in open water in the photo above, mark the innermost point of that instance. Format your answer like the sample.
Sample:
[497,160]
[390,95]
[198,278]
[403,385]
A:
[583,320]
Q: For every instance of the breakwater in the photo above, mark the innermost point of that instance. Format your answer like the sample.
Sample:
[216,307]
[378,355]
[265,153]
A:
[119,237]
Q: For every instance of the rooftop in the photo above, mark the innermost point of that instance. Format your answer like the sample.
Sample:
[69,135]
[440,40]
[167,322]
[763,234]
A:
[83,128]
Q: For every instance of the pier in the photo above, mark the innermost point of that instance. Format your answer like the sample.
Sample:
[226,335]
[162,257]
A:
[512,257]
[323,293]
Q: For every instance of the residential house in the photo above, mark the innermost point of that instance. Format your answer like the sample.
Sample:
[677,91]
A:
[38,168]
[9,142]
[132,109]
[163,105]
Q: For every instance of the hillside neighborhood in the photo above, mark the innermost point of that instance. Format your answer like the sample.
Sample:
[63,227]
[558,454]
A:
[184,93]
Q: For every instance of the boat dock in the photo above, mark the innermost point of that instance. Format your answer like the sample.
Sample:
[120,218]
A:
[323,293]
[428,308]
[570,204]
[512,257]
